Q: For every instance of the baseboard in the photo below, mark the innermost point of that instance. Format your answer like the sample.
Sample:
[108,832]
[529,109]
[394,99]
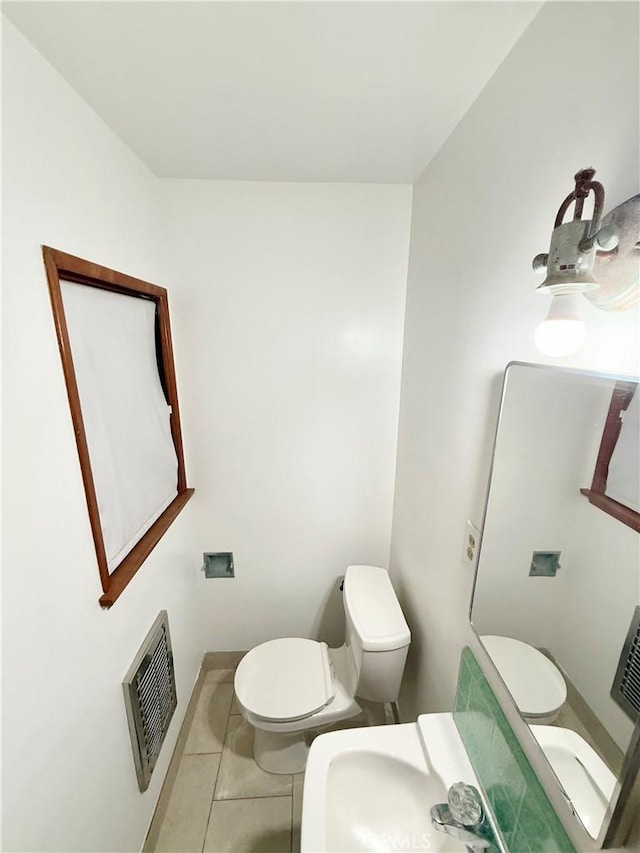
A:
[222,660]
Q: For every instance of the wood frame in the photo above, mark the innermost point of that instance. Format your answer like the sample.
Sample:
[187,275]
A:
[620,399]
[60,265]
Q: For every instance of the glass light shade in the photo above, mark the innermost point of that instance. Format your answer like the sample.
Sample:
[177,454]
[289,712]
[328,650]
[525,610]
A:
[562,332]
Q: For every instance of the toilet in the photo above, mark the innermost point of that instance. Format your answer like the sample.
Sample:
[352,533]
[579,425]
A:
[287,687]
[535,683]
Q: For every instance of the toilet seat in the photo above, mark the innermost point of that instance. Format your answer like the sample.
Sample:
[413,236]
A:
[284,680]
[536,684]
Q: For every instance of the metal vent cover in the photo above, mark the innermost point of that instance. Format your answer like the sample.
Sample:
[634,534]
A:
[150,698]
[626,684]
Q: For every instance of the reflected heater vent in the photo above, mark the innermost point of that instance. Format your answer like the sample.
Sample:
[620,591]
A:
[626,684]
[150,698]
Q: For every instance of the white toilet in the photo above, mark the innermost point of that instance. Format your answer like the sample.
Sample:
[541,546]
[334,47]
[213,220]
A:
[535,683]
[287,687]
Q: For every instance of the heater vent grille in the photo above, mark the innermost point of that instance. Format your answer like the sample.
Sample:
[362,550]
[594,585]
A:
[626,684]
[150,698]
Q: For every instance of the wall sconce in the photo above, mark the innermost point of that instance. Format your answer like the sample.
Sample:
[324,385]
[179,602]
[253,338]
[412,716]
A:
[596,258]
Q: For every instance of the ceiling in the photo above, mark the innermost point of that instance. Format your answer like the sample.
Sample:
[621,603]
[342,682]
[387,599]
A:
[325,91]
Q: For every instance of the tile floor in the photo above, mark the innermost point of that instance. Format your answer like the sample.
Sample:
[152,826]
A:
[219,799]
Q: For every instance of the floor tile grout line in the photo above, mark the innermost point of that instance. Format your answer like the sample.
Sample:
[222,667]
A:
[291,829]
[206,829]
[224,742]
[213,700]
[202,752]
[215,784]
[256,797]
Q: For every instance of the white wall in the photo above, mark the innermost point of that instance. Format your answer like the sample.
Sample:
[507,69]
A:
[291,297]
[68,773]
[482,209]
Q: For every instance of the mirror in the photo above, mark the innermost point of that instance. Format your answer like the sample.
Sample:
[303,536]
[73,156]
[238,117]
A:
[115,345]
[560,572]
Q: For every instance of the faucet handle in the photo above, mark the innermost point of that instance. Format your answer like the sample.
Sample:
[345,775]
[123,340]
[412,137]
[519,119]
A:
[465,804]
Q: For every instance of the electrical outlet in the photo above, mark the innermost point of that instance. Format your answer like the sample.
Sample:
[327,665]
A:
[471,545]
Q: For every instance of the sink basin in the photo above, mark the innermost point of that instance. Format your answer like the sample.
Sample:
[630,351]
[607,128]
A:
[372,788]
[586,779]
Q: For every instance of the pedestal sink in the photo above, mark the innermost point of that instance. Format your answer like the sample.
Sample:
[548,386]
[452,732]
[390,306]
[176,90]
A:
[373,788]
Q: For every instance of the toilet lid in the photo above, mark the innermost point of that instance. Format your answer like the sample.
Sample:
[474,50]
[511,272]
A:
[287,679]
[536,684]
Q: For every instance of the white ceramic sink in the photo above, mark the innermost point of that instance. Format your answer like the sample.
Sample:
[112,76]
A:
[586,779]
[373,788]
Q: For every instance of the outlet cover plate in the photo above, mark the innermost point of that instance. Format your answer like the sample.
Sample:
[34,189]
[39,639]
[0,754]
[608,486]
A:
[471,545]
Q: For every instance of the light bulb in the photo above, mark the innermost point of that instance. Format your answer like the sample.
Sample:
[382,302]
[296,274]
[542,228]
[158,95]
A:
[560,337]
[562,332]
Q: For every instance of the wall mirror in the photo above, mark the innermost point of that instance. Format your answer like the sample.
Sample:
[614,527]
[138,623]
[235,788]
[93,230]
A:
[557,587]
[115,344]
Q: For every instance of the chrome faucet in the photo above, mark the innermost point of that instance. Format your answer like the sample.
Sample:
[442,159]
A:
[463,817]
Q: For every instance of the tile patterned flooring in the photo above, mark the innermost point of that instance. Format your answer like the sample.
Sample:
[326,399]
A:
[220,800]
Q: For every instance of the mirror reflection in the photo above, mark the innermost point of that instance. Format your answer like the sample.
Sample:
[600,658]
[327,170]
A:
[558,581]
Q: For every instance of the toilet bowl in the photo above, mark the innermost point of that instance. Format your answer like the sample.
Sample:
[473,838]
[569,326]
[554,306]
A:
[290,686]
[535,683]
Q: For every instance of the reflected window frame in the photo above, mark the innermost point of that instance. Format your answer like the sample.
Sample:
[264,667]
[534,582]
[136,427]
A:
[620,399]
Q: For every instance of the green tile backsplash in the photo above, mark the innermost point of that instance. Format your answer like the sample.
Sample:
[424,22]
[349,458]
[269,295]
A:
[522,810]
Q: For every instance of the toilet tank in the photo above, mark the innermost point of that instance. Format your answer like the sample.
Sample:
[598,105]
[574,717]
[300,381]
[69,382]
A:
[377,635]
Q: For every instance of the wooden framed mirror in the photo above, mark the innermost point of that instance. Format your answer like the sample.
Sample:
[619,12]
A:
[114,337]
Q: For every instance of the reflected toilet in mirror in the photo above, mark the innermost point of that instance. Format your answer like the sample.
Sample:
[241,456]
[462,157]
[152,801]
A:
[558,577]
[535,683]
